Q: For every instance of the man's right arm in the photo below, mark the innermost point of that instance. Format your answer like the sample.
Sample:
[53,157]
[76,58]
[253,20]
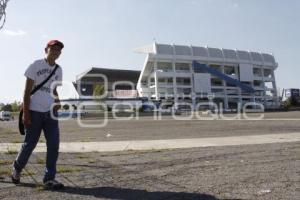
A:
[26,102]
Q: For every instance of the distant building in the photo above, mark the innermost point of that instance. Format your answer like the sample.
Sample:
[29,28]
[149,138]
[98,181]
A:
[168,74]
[290,93]
[117,82]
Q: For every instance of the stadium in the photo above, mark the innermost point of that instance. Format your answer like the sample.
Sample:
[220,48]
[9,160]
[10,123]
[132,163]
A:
[189,74]
[168,73]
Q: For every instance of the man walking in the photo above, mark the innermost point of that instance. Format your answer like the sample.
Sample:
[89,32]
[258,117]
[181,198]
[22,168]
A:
[37,114]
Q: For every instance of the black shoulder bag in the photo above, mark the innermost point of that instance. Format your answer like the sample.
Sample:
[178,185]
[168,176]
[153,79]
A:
[21,124]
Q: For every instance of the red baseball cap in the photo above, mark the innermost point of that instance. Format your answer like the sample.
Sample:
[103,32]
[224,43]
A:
[55,42]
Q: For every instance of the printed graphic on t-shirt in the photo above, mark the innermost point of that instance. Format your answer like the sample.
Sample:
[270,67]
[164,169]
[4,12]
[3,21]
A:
[45,73]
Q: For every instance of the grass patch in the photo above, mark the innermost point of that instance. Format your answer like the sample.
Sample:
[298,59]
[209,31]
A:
[5,172]
[16,141]
[62,169]
[5,162]
[39,187]
[11,152]
[28,173]
[40,161]
[86,140]
[82,156]
[9,131]
[115,168]
[91,161]
[42,141]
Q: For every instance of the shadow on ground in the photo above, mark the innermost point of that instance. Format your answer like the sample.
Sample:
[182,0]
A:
[133,194]
[128,194]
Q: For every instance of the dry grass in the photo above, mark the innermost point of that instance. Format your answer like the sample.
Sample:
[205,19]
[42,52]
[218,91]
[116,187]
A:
[39,188]
[62,169]
[40,161]
[92,161]
[11,152]
[5,162]
[81,156]
[42,140]
[10,132]
[17,141]
[28,173]
[89,139]
[5,172]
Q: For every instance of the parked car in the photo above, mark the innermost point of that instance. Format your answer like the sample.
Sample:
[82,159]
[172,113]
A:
[5,116]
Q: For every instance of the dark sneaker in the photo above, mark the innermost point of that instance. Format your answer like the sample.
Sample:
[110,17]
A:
[15,177]
[53,185]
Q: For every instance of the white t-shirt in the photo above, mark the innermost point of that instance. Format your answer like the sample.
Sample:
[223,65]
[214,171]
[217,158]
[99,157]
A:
[38,71]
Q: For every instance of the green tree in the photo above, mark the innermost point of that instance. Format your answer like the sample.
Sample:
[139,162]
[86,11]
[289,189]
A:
[98,90]
[7,107]
[16,106]
[1,106]
[74,107]
[66,107]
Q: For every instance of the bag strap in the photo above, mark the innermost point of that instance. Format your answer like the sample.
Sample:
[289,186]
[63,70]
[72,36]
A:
[43,83]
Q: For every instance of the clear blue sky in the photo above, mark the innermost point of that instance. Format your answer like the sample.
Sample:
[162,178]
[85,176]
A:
[104,33]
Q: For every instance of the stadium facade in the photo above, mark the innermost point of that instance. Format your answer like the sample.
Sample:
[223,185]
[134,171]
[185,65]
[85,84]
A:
[169,74]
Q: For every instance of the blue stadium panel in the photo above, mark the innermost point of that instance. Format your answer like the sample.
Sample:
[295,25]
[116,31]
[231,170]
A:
[203,68]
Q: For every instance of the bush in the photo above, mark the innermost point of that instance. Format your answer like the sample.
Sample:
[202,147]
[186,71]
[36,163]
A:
[286,104]
[66,107]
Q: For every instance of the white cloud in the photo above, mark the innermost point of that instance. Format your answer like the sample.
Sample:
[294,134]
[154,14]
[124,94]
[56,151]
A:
[14,33]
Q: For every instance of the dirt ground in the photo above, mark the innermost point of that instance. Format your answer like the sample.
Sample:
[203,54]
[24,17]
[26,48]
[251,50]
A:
[146,128]
[269,171]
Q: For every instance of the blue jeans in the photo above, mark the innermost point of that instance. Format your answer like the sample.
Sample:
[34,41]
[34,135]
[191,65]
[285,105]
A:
[40,121]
